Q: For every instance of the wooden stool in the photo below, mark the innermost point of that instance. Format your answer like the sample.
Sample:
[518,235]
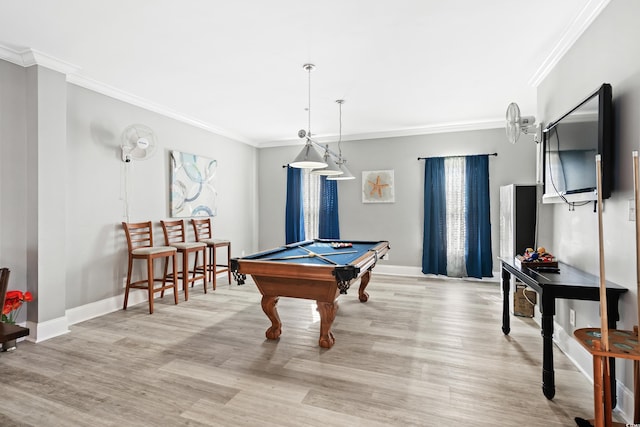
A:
[202,231]
[174,235]
[140,242]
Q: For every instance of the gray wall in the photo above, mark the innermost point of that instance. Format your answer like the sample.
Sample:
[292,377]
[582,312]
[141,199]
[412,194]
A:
[607,52]
[95,237]
[399,222]
[13,178]
[62,197]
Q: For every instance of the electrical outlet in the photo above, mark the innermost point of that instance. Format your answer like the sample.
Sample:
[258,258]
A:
[572,317]
[124,282]
[632,210]
[242,253]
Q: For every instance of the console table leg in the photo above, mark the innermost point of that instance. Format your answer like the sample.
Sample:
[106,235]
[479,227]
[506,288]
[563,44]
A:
[548,375]
[613,315]
[636,390]
[506,287]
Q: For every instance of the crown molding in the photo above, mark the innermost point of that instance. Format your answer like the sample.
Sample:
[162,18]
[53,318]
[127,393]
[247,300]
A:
[587,15]
[29,57]
[129,98]
[35,57]
[11,55]
[424,130]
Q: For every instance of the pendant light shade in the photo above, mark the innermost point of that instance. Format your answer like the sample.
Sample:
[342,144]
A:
[309,158]
[346,174]
[332,168]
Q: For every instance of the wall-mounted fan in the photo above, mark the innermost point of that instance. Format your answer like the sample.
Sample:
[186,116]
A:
[138,143]
[517,124]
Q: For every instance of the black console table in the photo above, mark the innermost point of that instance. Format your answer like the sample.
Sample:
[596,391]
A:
[10,332]
[568,283]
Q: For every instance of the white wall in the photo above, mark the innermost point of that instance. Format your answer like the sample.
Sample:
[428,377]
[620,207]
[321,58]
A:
[401,222]
[606,53]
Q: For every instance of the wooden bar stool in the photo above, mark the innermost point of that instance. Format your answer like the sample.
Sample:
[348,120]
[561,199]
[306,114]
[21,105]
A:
[174,235]
[202,231]
[140,243]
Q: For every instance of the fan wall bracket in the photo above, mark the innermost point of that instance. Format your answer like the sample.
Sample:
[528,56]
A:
[126,154]
[516,124]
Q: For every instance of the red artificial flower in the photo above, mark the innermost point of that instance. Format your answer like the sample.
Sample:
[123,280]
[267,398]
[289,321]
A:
[12,303]
[13,295]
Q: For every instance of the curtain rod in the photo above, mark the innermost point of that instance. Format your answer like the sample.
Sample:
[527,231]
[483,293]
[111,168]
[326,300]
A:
[464,155]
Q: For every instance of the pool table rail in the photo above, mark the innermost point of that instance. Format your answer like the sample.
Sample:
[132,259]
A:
[263,262]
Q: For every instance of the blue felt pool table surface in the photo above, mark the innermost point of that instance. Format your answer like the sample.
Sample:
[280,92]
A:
[306,252]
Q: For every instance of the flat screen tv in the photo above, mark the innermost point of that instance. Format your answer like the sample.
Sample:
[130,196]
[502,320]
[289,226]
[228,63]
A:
[570,145]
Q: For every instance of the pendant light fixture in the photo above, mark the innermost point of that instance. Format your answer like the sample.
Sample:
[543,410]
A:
[332,168]
[308,158]
[346,174]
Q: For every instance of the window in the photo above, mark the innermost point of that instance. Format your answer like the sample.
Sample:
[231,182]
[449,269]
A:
[311,203]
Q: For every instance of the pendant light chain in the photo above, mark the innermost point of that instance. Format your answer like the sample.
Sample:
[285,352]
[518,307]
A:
[308,158]
[341,162]
[340,101]
[309,68]
[309,105]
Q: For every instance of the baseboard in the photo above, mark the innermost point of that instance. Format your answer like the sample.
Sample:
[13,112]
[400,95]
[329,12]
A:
[412,271]
[624,409]
[42,331]
[106,306]
[398,270]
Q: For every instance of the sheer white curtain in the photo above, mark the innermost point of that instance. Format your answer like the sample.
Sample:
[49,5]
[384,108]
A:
[454,170]
[311,191]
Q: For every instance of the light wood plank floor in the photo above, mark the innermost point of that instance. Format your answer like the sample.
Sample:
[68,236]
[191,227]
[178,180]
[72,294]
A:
[420,352]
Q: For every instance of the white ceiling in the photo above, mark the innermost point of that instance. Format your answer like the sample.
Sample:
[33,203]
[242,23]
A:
[236,67]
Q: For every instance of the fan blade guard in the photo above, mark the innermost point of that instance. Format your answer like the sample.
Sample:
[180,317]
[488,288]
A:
[138,142]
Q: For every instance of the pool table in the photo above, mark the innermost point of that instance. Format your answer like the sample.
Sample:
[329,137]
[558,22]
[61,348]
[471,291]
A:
[319,270]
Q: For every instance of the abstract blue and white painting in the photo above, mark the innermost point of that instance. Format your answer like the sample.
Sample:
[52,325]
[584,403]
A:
[193,185]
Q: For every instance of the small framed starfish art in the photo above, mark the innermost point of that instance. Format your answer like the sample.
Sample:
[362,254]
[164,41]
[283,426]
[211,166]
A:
[377,187]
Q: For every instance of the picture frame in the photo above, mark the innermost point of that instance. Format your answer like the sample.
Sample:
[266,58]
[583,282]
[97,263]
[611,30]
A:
[378,186]
[193,191]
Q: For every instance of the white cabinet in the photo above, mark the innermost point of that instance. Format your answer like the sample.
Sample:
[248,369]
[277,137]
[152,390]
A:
[517,219]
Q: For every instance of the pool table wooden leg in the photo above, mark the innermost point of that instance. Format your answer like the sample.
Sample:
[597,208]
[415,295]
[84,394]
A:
[327,312]
[364,281]
[269,307]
